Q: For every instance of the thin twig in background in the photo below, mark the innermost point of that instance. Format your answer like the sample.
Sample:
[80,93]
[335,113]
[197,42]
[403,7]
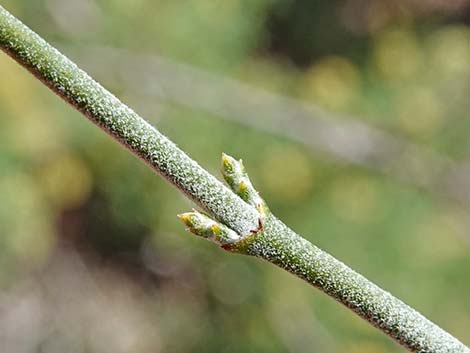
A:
[238,226]
[346,139]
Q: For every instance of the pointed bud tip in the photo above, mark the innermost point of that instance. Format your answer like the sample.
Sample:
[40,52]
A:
[232,167]
[186,217]
[228,163]
[204,226]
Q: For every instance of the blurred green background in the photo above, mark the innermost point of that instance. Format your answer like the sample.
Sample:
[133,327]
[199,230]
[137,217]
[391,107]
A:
[92,256]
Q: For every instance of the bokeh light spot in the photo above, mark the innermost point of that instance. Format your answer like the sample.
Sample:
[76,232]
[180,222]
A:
[333,82]
[287,174]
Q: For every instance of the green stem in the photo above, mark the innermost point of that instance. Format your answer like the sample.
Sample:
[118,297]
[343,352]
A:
[276,243]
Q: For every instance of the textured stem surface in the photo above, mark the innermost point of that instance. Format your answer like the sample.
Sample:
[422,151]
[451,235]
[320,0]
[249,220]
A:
[276,243]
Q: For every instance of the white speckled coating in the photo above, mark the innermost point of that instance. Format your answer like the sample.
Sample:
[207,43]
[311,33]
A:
[276,243]
[105,110]
[280,245]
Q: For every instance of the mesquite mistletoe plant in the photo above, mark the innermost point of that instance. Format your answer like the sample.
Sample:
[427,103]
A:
[237,218]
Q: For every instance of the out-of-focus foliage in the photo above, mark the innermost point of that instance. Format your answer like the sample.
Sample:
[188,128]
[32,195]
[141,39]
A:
[93,258]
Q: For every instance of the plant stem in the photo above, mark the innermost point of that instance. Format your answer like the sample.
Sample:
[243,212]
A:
[276,243]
